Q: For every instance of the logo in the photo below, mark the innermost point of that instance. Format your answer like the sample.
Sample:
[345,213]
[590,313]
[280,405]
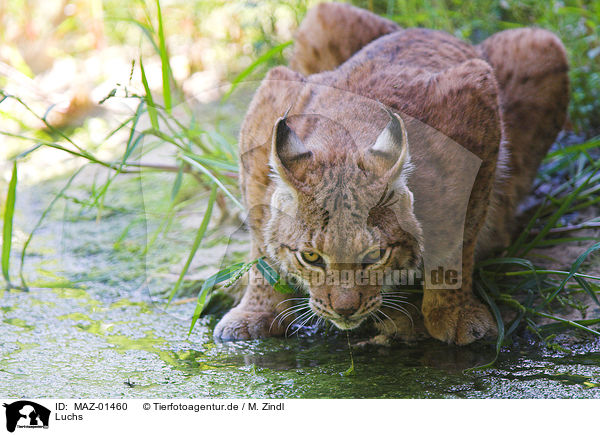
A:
[26,414]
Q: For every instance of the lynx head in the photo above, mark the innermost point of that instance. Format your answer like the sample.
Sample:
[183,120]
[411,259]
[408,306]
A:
[341,217]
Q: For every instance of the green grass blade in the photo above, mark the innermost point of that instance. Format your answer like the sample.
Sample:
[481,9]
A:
[215,163]
[176,185]
[560,240]
[578,324]
[574,268]
[41,219]
[208,285]
[200,304]
[273,277]
[146,30]
[149,99]
[219,139]
[516,245]
[259,61]
[587,288]
[164,60]
[267,271]
[594,143]
[7,228]
[514,261]
[283,288]
[522,311]
[214,179]
[552,328]
[197,241]
[499,323]
[557,215]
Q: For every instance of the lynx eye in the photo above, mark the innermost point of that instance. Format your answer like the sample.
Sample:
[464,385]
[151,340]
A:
[374,256]
[311,257]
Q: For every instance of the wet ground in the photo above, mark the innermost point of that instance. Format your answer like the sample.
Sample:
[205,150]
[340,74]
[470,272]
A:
[93,323]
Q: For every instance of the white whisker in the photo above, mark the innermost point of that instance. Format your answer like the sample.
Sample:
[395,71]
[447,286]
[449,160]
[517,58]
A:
[291,299]
[291,313]
[376,317]
[287,312]
[299,319]
[294,308]
[396,308]
[304,323]
[399,302]
[402,310]
[393,323]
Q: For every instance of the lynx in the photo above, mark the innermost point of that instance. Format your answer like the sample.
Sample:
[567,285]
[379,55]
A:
[382,149]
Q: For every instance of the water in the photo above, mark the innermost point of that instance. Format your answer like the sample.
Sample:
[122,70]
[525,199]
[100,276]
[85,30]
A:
[93,325]
[64,343]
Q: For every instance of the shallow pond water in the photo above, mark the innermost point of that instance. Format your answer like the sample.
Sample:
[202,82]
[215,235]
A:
[93,325]
[64,343]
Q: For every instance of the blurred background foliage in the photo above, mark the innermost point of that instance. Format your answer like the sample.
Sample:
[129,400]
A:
[90,42]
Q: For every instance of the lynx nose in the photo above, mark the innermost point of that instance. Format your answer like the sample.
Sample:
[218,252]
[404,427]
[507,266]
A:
[345,311]
[345,303]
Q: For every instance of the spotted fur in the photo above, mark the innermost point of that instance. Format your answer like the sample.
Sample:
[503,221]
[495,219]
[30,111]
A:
[321,184]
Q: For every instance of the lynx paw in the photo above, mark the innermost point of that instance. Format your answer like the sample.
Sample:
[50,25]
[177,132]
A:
[239,324]
[460,324]
[380,340]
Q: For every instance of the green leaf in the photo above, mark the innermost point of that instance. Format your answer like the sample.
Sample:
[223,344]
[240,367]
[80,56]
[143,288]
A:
[214,179]
[573,270]
[587,288]
[350,370]
[41,219]
[273,277]
[267,271]
[207,287]
[149,99]
[177,184]
[499,323]
[7,229]
[262,59]
[283,288]
[164,60]
[564,207]
[197,241]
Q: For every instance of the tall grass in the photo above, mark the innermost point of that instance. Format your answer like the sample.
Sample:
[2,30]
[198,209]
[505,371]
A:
[199,151]
[514,281]
[510,281]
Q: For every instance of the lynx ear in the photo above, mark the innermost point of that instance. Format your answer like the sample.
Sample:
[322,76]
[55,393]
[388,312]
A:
[389,154]
[289,156]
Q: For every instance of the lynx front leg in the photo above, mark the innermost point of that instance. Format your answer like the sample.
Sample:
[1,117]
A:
[256,315]
[456,316]
[331,33]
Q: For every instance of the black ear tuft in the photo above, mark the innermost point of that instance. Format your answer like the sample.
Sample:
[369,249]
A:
[389,154]
[289,156]
[287,145]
